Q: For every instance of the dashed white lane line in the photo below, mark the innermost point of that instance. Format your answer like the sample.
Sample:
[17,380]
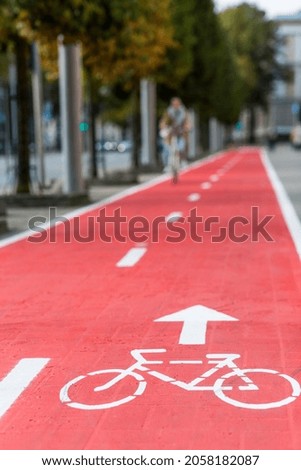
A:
[131,258]
[18,379]
[206,185]
[194,197]
[173,216]
[117,197]
[214,178]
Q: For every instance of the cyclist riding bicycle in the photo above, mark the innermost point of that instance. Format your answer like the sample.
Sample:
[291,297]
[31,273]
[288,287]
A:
[175,122]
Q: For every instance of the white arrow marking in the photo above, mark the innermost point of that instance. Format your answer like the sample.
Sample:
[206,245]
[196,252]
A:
[195,321]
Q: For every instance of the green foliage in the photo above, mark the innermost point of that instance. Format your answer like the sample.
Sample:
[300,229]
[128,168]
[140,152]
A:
[4,62]
[253,39]
[202,69]
[201,83]
[178,43]
[121,39]
[117,106]
[8,23]
[179,58]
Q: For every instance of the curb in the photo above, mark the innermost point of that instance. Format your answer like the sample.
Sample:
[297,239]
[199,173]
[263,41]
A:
[32,200]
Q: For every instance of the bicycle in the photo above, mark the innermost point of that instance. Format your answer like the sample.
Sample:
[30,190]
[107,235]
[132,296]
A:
[221,387]
[176,146]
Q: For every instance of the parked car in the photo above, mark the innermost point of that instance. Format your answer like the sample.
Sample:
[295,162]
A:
[111,146]
[107,146]
[295,136]
[124,146]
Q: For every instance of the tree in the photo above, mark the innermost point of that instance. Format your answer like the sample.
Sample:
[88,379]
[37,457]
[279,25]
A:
[179,57]
[12,40]
[119,37]
[139,52]
[208,80]
[227,91]
[254,41]
[122,40]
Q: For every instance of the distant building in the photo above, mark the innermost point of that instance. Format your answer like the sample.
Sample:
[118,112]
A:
[285,101]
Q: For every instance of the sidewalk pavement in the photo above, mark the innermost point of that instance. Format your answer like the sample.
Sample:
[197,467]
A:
[17,217]
[287,163]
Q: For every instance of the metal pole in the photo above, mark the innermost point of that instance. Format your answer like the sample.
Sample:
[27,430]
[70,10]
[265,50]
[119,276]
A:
[213,133]
[71,102]
[192,140]
[148,121]
[152,121]
[12,78]
[37,111]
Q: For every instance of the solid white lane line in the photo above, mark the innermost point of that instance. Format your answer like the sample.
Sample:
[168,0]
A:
[131,258]
[194,197]
[173,216]
[18,379]
[286,206]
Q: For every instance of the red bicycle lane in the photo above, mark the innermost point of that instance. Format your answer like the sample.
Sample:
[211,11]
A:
[72,304]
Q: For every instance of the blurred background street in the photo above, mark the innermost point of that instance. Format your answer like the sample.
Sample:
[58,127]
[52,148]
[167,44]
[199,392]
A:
[79,119]
[80,104]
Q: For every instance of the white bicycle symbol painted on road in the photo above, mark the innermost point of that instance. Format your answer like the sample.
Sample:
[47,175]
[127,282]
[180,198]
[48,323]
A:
[221,387]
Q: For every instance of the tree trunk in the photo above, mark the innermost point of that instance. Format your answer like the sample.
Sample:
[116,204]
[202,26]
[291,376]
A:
[205,135]
[252,125]
[135,130]
[22,51]
[228,140]
[92,128]
[3,225]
